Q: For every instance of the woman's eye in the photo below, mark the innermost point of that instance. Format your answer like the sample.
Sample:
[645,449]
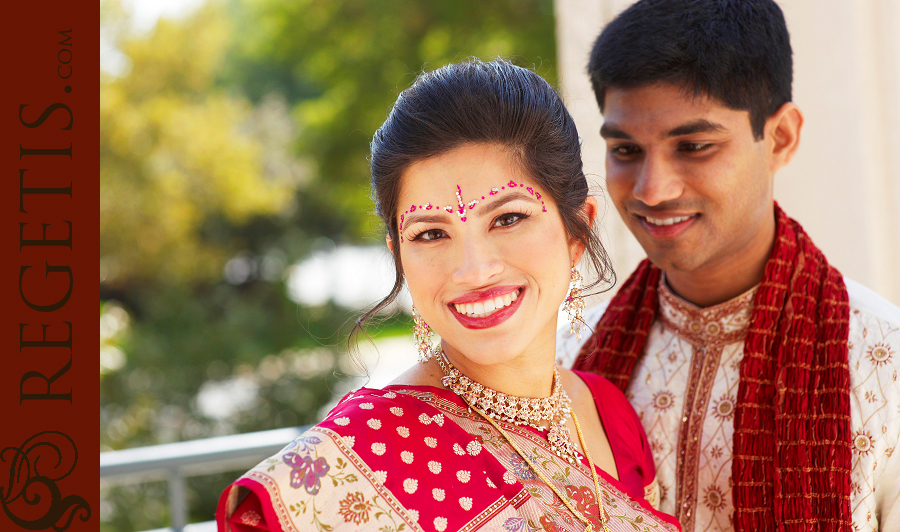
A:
[429,235]
[508,219]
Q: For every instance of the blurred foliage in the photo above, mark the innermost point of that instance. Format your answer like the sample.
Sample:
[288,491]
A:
[231,143]
[355,56]
[180,155]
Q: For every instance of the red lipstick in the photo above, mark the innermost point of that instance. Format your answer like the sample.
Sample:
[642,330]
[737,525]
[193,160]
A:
[498,317]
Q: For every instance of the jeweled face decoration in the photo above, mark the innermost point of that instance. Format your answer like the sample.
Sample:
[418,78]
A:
[462,208]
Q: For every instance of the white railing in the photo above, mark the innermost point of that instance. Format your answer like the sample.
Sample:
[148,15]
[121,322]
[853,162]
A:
[176,461]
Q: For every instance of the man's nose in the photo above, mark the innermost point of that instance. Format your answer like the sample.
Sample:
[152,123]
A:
[657,181]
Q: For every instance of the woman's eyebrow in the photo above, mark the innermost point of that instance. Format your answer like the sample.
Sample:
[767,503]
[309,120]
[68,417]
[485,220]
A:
[425,218]
[506,198]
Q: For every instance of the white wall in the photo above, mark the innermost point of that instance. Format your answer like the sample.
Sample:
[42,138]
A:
[844,184]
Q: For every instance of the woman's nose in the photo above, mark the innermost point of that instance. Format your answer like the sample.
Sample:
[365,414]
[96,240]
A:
[476,263]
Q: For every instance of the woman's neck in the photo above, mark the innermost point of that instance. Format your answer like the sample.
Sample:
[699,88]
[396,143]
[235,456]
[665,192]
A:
[528,375]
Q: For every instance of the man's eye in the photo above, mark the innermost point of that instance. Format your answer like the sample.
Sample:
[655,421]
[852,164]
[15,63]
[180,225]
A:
[624,150]
[693,147]
[429,235]
[508,219]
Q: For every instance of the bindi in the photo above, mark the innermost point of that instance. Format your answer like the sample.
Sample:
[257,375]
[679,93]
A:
[462,208]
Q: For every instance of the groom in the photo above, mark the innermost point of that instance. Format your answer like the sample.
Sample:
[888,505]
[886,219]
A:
[766,382]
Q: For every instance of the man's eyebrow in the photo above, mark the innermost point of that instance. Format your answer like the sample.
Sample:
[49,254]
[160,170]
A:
[609,131]
[700,125]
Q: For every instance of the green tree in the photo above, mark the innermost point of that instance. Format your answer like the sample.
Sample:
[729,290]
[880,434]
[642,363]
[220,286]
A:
[347,60]
[234,141]
[177,152]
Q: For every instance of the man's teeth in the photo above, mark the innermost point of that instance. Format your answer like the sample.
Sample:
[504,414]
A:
[481,309]
[667,221]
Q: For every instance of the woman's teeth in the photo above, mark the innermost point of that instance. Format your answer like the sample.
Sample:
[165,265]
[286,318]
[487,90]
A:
[667,221]
[481,309]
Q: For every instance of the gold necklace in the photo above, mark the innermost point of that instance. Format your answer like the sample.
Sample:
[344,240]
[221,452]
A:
[447,368]
[588,527]
[518,410]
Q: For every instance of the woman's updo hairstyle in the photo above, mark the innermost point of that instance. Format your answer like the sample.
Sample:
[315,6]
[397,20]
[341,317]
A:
[484,102]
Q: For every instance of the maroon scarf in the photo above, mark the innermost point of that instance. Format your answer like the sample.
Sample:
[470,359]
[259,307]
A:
[792,454]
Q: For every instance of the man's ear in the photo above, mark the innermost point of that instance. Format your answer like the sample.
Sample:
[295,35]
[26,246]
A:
[782,135]
[589,211]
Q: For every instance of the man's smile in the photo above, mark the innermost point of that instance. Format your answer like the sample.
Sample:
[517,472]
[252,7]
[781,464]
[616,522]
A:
[667,221]
[666,226]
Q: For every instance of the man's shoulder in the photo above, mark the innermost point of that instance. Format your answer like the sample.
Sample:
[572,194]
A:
[866,305]
[873,350]
[874,335]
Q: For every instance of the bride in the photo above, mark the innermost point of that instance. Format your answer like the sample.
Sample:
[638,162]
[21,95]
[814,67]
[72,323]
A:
[477,176]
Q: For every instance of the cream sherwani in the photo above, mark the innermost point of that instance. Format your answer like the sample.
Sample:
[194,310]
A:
[684,391]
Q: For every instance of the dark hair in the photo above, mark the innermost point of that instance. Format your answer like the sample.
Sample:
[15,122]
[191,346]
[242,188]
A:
[735,51]
[484,102]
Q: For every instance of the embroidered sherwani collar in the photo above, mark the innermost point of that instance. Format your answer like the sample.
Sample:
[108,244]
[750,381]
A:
[723,323]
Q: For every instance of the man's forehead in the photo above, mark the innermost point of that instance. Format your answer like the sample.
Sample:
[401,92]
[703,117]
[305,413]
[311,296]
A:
[672,107]
[683,92]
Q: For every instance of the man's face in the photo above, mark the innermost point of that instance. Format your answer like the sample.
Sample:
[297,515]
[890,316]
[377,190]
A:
[689,180]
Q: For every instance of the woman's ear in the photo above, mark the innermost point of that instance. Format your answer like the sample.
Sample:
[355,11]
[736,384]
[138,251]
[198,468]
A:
[591,209]
[589,212]
[390,243]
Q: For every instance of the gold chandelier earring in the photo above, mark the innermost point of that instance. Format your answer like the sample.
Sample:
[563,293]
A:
[422,334]
[574,304]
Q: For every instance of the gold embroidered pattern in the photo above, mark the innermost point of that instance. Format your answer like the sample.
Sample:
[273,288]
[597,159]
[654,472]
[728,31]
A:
[718,324]
[703,373]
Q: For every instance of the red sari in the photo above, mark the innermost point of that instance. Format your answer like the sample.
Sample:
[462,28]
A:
[416,458]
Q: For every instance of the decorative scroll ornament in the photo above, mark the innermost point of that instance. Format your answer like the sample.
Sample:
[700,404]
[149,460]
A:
[34,470]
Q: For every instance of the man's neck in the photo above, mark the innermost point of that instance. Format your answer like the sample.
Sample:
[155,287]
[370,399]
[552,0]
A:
[707,292]
[726,279]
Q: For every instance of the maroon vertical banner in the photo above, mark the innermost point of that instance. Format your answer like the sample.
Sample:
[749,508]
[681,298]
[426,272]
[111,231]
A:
[49,236]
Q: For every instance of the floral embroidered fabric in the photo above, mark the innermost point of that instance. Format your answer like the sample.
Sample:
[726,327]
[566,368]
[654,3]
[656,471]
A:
[684,391]
[415,458]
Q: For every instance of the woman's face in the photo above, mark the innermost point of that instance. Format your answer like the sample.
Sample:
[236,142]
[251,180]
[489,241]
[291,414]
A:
[485,254]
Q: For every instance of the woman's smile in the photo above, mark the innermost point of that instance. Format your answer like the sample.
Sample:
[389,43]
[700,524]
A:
[490,311]
[485,303]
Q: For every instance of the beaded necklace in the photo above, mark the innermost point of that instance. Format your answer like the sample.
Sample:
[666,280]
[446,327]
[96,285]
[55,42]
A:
[517,410]
[527,411]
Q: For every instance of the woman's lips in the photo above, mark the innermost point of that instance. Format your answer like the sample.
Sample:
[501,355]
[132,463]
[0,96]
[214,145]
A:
[487,305]
[491,318]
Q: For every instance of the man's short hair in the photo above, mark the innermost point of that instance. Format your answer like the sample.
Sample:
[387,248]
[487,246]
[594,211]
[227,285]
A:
[735,51]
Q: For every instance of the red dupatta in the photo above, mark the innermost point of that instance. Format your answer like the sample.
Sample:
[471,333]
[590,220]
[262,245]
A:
[792,454]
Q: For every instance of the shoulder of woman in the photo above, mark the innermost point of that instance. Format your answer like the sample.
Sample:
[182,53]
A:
[380,447]
[601,387]
[368,409]
[610,400]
